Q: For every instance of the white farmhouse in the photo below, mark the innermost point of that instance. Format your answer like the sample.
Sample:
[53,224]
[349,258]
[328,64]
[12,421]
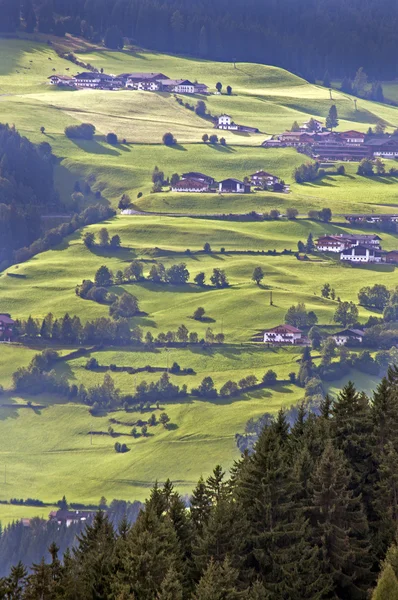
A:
[283,334]
[342,337]
[360,254]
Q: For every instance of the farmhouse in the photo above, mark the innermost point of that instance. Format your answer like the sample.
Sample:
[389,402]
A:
[343,241]
[348,335]
[97,80]
[360,254]
[68,517]
[201,88]
[179,86]
[283,334]
[61,80]
[226,122]
[143,81]
[233,186]
[383,147]
[262,176]
[6,328]
[190,185]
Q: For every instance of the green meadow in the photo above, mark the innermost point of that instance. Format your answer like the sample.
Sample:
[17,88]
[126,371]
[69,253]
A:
[49,451]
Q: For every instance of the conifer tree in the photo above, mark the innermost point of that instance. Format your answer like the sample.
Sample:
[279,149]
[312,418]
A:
[332,120]
[339,527]
[387,585]
[219,582]
[171,588]
[200,505]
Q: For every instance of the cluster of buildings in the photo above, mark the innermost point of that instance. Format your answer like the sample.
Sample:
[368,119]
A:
[332,145]
[356,248]
[6,328]
[194,182]
[152,82]
[287,335]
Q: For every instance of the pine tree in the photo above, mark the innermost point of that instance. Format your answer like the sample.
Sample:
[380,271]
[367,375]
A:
[171,588]
[387,585]
[39,584]
[385,413]
[224,535]
[219,582]
[215,484]
[339,527]
[200,505]
[332,120]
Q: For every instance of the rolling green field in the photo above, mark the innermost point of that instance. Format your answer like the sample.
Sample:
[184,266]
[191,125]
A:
[48,451]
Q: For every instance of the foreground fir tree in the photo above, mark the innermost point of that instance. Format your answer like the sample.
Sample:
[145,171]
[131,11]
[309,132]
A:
[171,588]
[339,528]
[219,582]
[387,585]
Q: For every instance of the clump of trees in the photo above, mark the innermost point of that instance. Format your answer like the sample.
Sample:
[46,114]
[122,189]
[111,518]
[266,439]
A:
[298,316]
[102,239]
[84,131]
[169,139]
[307,172]
[324,215]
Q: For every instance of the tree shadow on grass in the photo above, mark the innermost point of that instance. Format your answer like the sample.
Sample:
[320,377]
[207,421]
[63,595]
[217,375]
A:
[221,148]
[93,147]
[178,147]
[125,254]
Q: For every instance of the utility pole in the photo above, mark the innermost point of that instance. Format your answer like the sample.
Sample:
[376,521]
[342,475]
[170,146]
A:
[355,104]
[91,434]
[271,302]
[222,324]
[330,93]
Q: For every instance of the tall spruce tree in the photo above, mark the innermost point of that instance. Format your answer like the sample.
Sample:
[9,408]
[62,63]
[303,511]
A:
[387,585]
[339,527]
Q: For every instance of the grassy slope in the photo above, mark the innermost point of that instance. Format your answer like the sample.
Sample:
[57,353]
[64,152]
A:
[266,97]
[46,461]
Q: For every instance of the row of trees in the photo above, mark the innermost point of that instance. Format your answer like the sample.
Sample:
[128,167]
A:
[323,522]
[104,239]
[177,274]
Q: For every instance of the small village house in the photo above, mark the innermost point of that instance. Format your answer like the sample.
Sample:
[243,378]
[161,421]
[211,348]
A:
[233,186]
[261,177]
[143,81]
[348,335]
[61,80]
[226,122]
[6,328]
[69,517]
[283,334]
[177,86]
[384,147]
[296,138]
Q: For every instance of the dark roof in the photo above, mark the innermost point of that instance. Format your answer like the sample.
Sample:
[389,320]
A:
[357,251]
[263,174]
[196,175]
[381,141]
[350,332]
[351,133]
[283,329]
[191,183]
[6,319]
[233,180]
[173,82]
[89,75]
[142,76]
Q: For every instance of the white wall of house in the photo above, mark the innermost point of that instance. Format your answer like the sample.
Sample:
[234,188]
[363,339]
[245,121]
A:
[281,338]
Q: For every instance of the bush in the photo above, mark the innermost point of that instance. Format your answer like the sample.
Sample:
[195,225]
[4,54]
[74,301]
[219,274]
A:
[270,377]
[111,138]
[169,139]
[92,364]
[85,131]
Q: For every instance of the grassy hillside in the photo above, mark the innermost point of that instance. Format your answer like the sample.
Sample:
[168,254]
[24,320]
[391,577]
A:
[47,450]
